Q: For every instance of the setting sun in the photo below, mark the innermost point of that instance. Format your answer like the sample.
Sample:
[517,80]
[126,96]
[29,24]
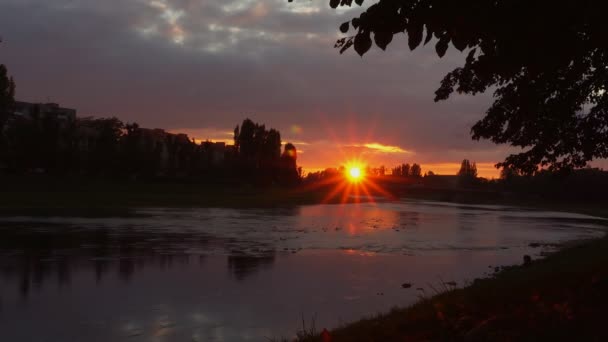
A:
[354,173]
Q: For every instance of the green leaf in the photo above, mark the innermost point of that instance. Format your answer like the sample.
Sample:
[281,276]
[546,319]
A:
[334,3]
[359,2]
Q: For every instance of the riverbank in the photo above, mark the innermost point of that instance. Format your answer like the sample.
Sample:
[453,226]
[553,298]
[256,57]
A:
[46,193]
[561,297]
[50,193]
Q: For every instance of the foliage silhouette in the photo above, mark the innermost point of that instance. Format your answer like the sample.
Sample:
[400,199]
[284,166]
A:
[42,142]
[7,101]
[416,171]
[468,173]
[290,174]
[544,60]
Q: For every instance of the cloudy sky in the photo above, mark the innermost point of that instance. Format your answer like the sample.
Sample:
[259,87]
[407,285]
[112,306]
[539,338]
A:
[202,66]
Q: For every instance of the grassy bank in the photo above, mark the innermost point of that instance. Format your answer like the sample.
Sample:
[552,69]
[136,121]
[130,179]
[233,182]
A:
[561,297]
[52,193]
[40,192]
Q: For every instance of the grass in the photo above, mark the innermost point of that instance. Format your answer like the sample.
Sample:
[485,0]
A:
[48,194]
[113,195]
[561,297]
[307,333]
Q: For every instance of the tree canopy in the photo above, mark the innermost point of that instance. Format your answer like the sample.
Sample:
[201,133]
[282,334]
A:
[546,62]
[7,94]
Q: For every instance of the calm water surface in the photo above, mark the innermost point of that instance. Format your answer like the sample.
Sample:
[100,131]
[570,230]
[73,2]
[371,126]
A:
[234,275]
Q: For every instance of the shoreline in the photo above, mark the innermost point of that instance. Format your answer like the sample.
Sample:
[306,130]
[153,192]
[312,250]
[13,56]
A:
[559,297]
[122,198]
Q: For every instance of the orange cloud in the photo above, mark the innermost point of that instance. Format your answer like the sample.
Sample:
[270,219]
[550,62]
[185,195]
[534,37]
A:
[375,147]
[385,148]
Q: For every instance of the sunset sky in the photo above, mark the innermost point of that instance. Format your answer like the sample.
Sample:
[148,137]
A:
[202,66]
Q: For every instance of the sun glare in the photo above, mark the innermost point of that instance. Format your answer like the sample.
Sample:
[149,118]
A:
[352,184]
[354,173]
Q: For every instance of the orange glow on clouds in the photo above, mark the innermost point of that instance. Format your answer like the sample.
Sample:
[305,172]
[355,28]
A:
[385,148]
[203,134]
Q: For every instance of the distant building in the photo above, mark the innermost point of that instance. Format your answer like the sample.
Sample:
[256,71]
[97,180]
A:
[218,153]
[155,141]
[86,136]
[42,110]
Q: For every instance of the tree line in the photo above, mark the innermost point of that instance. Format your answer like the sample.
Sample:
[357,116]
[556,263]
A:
[47,139]
[407,170]
[109,148]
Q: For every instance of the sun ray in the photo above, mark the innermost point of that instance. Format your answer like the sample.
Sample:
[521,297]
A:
[334,192]
[367,192]
[380,190]
[345,194]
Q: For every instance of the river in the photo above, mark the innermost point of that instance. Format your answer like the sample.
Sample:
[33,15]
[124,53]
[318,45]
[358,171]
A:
[214,274]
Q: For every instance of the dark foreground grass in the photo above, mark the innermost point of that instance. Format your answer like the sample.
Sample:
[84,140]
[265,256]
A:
[115,195]
[563,297]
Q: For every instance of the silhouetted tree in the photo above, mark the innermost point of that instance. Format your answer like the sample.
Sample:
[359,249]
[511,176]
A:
[468,173]
[467,169]
[416,171]
[23,144]
[7,101]
[508,173]
[245,141]
[132,156]
[7,94]
[258,151]
[544,60]
[103,157]
[43,141]
[405,170]
[289,173]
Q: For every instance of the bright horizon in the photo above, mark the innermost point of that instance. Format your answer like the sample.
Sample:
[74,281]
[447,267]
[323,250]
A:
[201,67]
[313,157]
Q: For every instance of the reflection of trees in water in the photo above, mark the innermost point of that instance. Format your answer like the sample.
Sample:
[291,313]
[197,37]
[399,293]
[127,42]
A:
[32,256]
[467,220]
[32,272]
[242,266]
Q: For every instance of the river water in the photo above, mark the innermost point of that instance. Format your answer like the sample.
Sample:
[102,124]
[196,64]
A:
[249,274]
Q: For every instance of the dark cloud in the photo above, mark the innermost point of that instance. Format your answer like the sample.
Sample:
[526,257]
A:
[203,64]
